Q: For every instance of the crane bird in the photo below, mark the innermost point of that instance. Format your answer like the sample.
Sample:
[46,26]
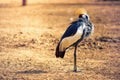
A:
[75,33]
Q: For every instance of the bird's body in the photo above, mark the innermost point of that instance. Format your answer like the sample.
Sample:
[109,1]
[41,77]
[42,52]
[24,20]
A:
[75,33]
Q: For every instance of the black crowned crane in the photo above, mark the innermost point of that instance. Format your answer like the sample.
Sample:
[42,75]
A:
[75,33]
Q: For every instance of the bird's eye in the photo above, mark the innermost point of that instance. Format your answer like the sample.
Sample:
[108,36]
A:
[85,16]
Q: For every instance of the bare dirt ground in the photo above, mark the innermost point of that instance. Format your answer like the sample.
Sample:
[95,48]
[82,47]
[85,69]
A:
[29,35]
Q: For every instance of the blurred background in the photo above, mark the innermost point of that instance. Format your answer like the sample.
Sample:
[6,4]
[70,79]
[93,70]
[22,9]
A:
[31,29]
[52,1]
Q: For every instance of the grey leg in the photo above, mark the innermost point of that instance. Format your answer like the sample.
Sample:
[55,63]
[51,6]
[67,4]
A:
[75,63]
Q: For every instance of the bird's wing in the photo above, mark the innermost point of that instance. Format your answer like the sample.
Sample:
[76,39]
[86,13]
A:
[71,35]
[72,29]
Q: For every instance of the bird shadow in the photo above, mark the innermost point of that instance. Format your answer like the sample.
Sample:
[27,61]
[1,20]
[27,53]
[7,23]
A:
[31,72]
[78,71]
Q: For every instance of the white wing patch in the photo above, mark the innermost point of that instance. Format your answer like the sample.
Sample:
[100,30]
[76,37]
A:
[66,42]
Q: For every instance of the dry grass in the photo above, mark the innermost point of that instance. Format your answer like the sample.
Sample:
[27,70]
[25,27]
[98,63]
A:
[29,35]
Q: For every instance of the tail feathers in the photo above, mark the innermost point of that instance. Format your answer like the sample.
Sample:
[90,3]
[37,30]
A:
[58,53]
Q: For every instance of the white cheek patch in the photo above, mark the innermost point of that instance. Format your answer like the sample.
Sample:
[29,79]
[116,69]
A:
[68,41]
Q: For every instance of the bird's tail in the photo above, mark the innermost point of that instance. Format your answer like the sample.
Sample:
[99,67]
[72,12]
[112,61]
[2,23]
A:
[58,53]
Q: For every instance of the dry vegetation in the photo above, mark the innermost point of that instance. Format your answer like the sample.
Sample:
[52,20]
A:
[29,35]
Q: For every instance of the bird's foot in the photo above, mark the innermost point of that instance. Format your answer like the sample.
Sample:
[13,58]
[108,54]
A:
[76,70]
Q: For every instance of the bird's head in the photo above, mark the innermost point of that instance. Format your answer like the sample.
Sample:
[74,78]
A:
[82,13]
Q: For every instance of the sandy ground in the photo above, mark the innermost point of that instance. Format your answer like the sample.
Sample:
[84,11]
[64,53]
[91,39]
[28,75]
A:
[29,35]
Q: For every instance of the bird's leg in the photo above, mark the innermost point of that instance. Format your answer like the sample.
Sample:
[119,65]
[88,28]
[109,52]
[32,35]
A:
[75,64]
